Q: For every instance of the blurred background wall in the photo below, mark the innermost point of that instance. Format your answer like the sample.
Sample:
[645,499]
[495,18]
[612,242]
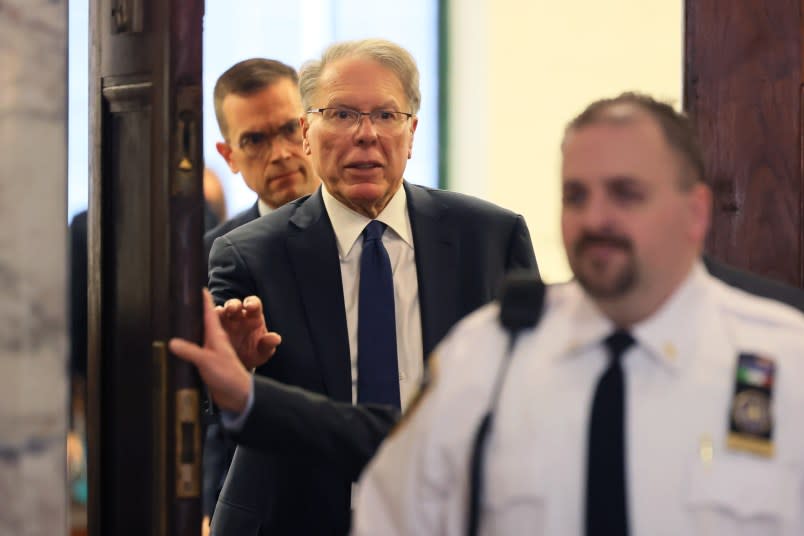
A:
[519,70]
[33,262]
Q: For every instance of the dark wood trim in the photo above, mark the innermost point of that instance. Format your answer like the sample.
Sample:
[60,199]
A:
[94,279]
[146,225]
[443,94]
[742,89]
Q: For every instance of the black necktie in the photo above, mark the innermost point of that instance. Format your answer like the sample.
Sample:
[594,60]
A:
[606,503]
[377,368]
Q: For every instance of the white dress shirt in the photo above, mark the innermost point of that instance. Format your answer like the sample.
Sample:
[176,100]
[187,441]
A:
[681,477]
[398,241]
[263,208]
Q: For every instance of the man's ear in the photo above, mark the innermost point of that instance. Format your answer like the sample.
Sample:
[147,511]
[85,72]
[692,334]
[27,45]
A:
[225,150]
[413,124]
[701,209]
[305,126]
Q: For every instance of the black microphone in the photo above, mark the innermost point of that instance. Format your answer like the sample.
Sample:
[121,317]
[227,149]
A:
[521,301]
[521,306]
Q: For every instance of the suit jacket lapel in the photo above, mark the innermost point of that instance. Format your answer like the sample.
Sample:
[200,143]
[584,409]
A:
[253,213]
[434,239]
[314,256]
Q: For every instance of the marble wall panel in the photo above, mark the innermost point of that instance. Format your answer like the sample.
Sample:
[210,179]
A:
[33,244]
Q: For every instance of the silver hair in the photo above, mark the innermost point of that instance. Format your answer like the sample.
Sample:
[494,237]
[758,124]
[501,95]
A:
[388,54]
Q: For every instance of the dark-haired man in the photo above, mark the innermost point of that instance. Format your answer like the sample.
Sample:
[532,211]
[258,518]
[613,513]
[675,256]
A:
[258,107]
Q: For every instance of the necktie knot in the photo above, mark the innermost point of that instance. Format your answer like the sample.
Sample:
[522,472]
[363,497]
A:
[617,343]
[373,231]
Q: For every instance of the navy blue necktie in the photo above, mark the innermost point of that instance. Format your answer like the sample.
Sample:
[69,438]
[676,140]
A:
[606,499]
[377,372]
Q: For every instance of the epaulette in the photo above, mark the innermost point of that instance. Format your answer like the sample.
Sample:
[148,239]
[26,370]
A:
[758,310]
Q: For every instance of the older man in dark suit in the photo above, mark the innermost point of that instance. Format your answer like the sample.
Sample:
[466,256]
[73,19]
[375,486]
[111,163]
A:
[361,279]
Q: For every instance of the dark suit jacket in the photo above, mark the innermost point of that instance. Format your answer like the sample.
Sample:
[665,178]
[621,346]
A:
[218,447]
[345,434]
[463,247]
[755,284]
[251,213]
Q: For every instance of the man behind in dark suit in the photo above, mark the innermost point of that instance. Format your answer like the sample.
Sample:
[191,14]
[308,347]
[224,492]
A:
[257,105]
[445,253]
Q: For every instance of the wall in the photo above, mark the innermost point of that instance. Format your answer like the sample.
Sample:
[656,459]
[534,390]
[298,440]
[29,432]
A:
[519,70]
[33,371]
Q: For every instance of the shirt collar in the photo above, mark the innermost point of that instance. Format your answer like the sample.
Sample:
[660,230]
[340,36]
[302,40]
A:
[348,224]
[263,208]
[665,335]
[588,325]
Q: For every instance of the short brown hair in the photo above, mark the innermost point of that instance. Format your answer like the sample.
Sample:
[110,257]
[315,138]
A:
[388,54]
[676,127]
[246,78]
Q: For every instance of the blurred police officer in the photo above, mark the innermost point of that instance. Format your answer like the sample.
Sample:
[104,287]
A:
[650,399]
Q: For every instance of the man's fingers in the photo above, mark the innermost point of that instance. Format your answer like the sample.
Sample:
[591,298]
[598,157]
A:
[266,347]
[267,344]
[187,351]
[252,306]
[212,322]
[232,308]
[273,338]
[237,316]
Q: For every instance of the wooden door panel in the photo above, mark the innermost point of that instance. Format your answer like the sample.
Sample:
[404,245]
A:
[146,228]
[126,367]
[742,84]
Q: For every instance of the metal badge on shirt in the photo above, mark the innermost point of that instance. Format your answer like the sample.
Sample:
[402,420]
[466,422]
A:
[751,416]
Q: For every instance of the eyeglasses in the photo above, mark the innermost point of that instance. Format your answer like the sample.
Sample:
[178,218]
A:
[260,144]
[345,118]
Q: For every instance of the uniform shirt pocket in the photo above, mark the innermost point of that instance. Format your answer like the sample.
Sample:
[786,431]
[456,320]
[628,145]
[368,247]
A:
[744,496]
[514,500]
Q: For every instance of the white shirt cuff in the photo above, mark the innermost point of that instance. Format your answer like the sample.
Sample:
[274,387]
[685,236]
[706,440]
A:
[233,422]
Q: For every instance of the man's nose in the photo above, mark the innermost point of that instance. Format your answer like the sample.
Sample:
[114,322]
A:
[280,149]
[365,131]
[597,213]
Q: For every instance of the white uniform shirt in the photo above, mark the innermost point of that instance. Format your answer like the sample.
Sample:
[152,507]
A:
[679,379]
[398,241]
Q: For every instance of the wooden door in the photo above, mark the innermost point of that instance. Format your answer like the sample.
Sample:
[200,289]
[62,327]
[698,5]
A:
[743,88]
[145,266]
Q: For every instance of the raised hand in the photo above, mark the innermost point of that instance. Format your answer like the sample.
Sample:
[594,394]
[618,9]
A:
[245,324]
[219,365]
